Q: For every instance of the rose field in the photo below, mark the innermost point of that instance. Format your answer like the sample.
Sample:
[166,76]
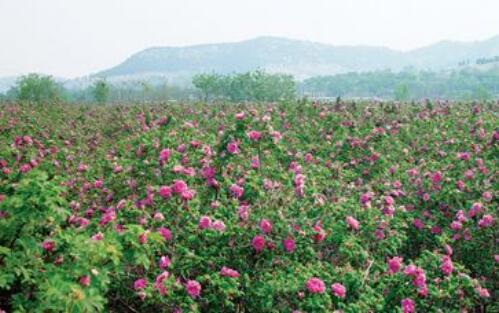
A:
[270,207]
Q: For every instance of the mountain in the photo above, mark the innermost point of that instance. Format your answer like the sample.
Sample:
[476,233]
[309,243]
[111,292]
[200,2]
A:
[447,54]
[302,59]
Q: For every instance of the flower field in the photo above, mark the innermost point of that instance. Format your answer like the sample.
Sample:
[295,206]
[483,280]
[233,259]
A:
[298,207]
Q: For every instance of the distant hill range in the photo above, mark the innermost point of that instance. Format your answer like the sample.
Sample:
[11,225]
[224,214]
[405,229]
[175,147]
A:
[303,59]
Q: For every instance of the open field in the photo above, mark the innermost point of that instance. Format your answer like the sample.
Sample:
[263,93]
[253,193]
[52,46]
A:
[296,207]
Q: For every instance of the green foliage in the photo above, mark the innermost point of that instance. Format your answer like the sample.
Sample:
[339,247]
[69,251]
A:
[37,88]
[401,93]
[100,91]
[481,93]
[465,84]
[85,228]
[42,281]
[250,86]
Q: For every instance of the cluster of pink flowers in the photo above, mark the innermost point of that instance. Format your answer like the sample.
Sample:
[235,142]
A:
[436,177]
[205,222]
[164,262]
[108,216]
[164,155]
[84,280]
[315,285]
[418,278]
[243,212]
[233,147]
[308,158]
[483,292]
[159,283]
[165,233]
[254,135]
[475,209]
[193,288]
[289,245]
[255,162]
[394,264]
[339,290]
[408,305]
[239,116]
[180,188]
[486,221]
[165,192]
[265,226]
[319,233]
[258,243]
[228,272]
[208,173]
[353,223]
[140,284]
[250,177]
[446,265]
[4,167]
[299,179]
[48,245]
[388,208]
[365,199]
[236,190]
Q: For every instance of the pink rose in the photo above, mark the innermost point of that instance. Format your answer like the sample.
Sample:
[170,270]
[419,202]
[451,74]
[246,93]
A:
[353,223]
[233,147]
[339,290]
[315,285]
[165,233]
[193,288]
[289,245]
[85,281]
[204,222]
[408,305]
[265,226]
[140,284]
[165,192]
[254,135]
[258,243]
[228,272]
[164,262]
[394,264]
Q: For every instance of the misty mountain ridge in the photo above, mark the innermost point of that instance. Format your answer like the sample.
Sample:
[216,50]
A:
[302,59]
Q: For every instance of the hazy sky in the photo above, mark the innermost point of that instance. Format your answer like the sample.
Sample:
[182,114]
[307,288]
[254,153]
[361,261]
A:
[76,37]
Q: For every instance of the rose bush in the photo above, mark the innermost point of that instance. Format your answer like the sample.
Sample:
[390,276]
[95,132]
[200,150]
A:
[249,208]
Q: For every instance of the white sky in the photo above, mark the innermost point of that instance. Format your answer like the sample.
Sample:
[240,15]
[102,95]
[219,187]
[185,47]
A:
[76,37]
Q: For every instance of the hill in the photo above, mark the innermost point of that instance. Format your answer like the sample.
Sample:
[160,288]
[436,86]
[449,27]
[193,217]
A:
[303,59]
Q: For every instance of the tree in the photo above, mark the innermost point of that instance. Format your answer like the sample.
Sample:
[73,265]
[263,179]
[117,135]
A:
[481,93]
[146,89]
[206,83]
[100,91]
[37,88]
[250,86]
[401,92]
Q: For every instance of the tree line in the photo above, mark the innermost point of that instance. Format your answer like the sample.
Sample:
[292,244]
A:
[250,86]
[465,84]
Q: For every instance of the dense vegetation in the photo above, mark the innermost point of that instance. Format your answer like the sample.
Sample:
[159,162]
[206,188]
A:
[250,86]
[287,207]
[463,84]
